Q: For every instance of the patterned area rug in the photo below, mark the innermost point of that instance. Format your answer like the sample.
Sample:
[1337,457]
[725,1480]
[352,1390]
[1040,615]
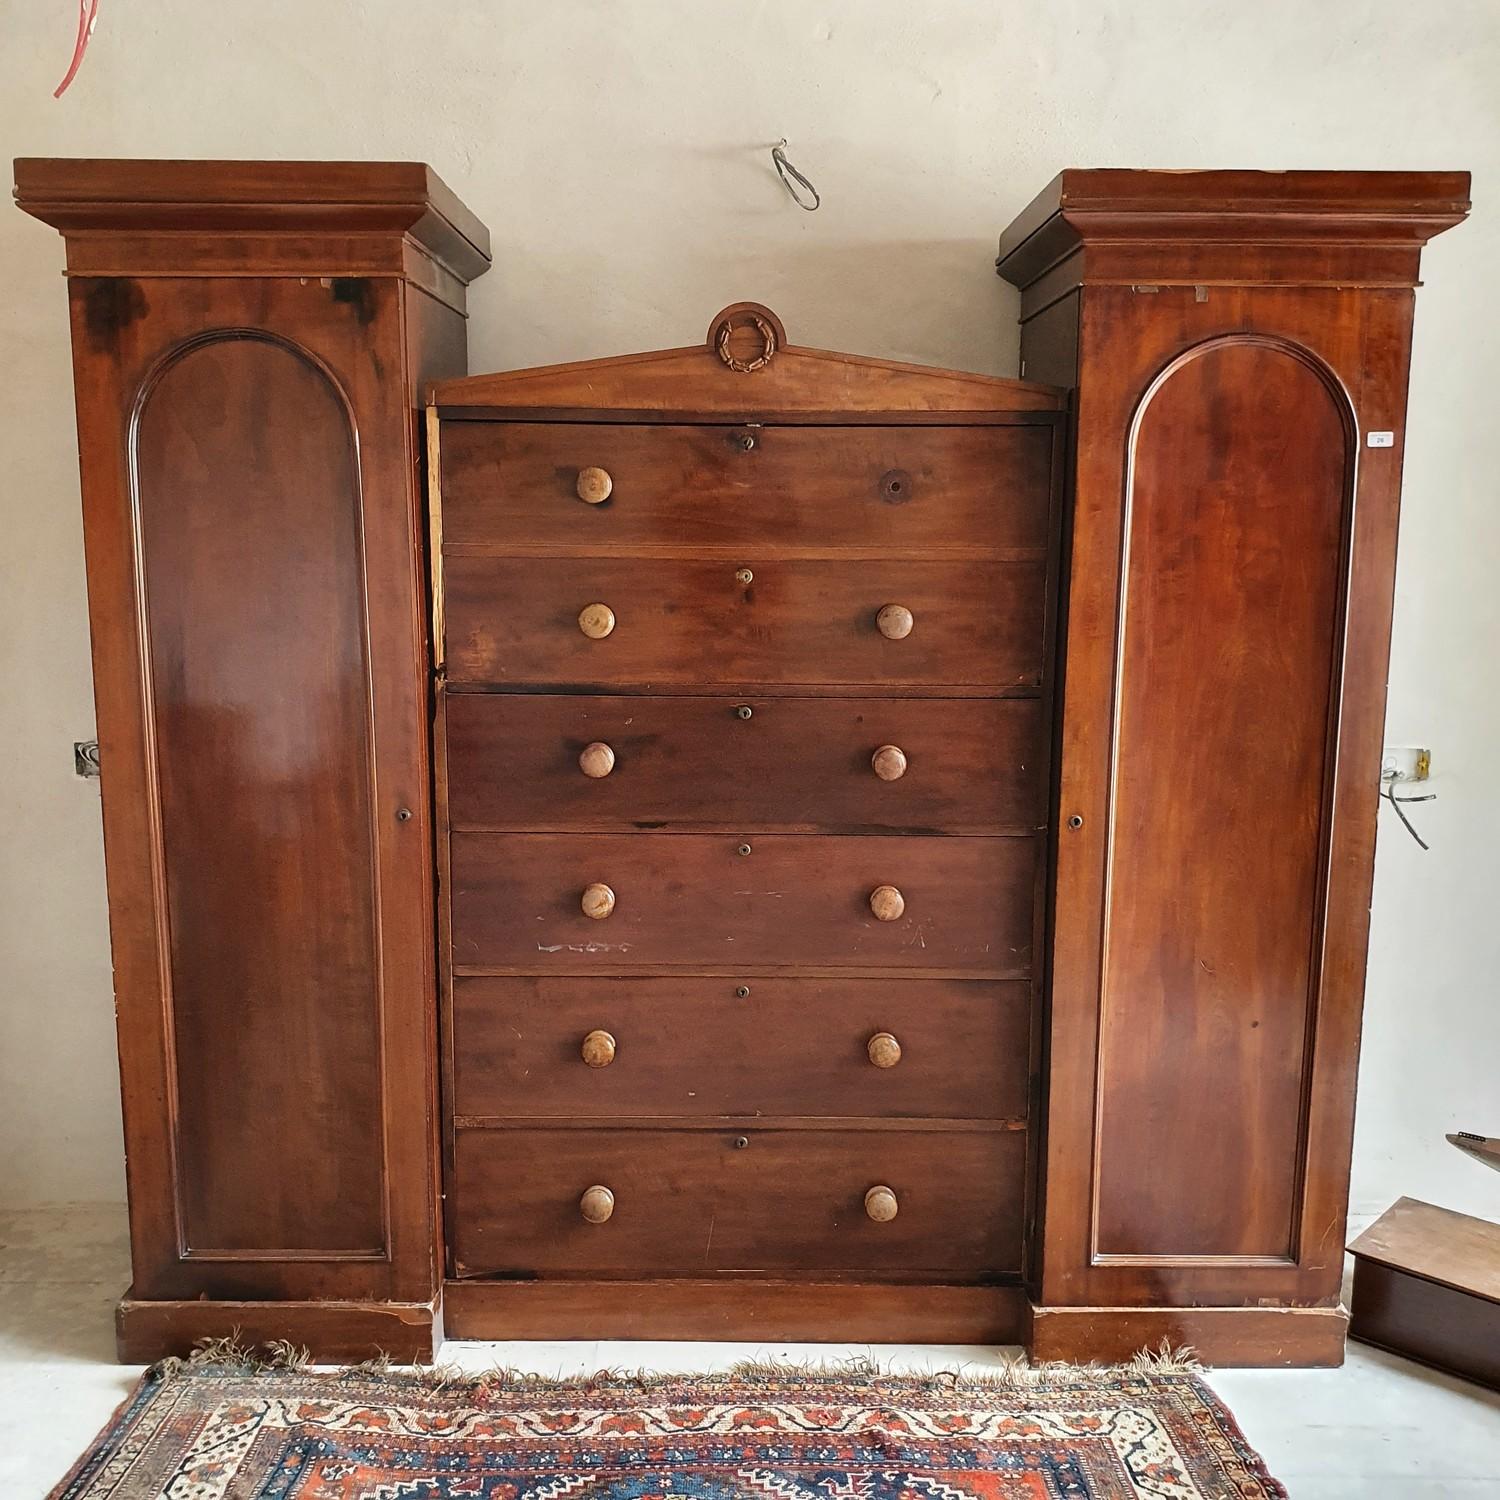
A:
[210,1430]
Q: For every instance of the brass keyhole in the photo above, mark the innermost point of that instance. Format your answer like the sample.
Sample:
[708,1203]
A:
[895,486]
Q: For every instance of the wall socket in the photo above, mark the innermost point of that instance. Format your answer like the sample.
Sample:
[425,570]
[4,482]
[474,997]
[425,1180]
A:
[1400,764]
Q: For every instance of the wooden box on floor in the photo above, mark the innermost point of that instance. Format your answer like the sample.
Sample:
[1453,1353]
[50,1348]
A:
[1427,1285]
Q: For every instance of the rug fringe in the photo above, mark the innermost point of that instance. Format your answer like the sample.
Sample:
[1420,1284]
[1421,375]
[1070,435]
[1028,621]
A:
[230,1353]
[1012,1374]
[1167,1360]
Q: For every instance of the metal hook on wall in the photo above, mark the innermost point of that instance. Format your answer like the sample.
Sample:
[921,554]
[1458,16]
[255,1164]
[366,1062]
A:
[786,171]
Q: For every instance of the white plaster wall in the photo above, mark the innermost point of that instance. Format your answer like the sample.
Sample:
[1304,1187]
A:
[617,149]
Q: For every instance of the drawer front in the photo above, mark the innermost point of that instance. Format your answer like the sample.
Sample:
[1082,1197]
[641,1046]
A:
[695,899]
[971,765]
[688,1202]
[696,1047]
[683,623]
[510,484]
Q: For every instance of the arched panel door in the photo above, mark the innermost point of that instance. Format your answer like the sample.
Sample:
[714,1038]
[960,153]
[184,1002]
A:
[1238,491]
[246,491]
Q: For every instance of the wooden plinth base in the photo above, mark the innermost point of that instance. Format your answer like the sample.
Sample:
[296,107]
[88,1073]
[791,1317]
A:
[819,1312]
[1225,1337]
[815,1312]
[332,1332]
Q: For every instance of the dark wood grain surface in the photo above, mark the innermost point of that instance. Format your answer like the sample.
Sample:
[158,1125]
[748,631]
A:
[245,373]
[254,611]
[176,654]
[693,384]
[327,198]
[704,1046]
[260,676]
[1438,1244]
[1229,220]
[1273,1337]
[965,489]
[693,900]
[795,764]
[694,1201]
[1233,337]
[1232,621]
[811,692]
[1427,1286]
[690,624]
[334,1332]
[757,1309]
[1426,1321]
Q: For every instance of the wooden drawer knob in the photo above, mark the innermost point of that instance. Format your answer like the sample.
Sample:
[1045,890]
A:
[884,1049]
[889,762]
[598,901]
[594,485]
[596,621]
[880,1204]
[887,903]
[596,760]
[599,1049]
[894,622]
[598,1203]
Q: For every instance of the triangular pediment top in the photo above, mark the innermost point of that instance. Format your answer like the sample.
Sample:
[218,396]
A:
[745,367]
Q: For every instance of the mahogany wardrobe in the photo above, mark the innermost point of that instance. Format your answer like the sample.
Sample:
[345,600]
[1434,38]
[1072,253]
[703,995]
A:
[738,841]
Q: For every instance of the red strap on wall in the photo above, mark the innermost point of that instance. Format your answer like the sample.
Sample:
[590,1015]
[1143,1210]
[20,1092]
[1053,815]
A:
[88,13]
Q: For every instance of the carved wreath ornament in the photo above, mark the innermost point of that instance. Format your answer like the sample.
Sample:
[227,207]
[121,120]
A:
[761,360]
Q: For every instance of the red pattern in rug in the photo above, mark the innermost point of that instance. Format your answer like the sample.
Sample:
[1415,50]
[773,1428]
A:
[206,1431]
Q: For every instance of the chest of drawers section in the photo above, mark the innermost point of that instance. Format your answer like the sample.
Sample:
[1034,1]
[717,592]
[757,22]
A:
[742,778]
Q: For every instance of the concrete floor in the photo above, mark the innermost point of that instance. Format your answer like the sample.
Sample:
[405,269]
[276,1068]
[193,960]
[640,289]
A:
[1378,1429]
